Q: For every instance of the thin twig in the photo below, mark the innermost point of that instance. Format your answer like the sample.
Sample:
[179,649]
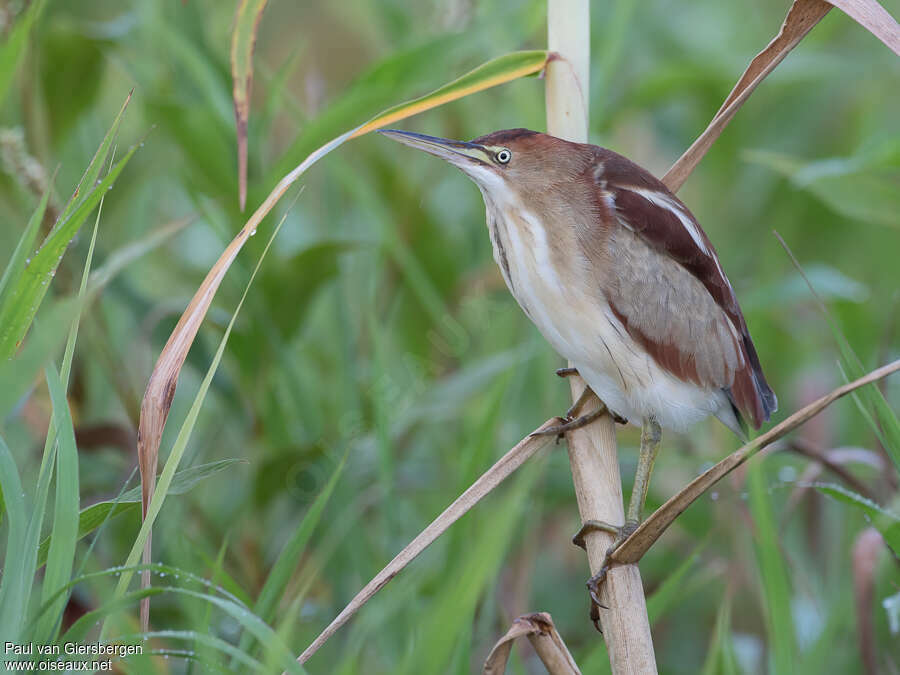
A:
[810,451]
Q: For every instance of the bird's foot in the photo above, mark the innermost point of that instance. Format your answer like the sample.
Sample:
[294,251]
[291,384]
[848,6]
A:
[621,532]
[570,423]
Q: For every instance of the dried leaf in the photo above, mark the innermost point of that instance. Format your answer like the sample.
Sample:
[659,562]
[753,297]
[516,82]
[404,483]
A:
[635,546]
[874,18]
[800,19]
[539,629]
[243,41]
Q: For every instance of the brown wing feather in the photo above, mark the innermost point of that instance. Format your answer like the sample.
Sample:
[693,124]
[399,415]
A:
[696,342]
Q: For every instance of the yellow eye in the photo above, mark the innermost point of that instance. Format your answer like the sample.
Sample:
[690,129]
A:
[503,156]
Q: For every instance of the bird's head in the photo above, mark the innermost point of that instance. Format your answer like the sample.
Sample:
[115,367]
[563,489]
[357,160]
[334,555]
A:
[512,162]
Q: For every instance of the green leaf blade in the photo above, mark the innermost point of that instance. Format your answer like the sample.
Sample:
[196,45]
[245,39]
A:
[12,587]
[886,522]
[22,302]
[61,551]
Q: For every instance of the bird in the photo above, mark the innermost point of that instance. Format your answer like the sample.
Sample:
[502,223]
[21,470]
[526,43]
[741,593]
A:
[619,277]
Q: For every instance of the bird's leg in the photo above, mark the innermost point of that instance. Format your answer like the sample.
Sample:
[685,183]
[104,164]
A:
[650,438]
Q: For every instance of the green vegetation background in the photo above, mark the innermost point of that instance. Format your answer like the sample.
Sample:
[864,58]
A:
[380,330]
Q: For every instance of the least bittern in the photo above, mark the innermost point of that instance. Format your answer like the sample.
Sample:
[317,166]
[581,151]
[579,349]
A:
[618,276]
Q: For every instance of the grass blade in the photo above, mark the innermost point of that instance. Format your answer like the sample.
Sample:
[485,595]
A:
[286,563]
[774,577]
[454,605]
[227,603]
[885,424]
[720,659]
[674,589]
[23,577]
[210,642]
[254,625]
[486,483]
[496,71]
[243,41]
[14,47]
[61,553]
[89,178]
[12,603]
[281,572]
[23,300]
[93,516]
[124,256]
[89,519]
[19,258]
[887,523]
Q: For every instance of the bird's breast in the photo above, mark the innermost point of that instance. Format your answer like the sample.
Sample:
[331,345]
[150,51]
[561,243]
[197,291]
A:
[542,280]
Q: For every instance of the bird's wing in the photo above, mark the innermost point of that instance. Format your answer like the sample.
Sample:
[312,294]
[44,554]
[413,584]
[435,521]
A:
[670,291]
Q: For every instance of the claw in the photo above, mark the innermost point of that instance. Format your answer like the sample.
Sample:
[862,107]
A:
[596,582]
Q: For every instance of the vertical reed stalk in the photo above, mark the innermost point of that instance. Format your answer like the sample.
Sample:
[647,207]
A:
[592,449]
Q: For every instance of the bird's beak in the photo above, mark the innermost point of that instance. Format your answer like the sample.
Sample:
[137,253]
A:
[460,153]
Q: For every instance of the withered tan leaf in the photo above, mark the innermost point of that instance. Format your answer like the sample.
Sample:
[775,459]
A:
[802,16]
[874,18]
[243,42]
[538,627]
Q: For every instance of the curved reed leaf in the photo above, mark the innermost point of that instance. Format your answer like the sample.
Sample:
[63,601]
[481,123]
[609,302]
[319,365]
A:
[161,387]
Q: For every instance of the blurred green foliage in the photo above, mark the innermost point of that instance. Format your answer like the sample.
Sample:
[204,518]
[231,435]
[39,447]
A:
[379,330]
